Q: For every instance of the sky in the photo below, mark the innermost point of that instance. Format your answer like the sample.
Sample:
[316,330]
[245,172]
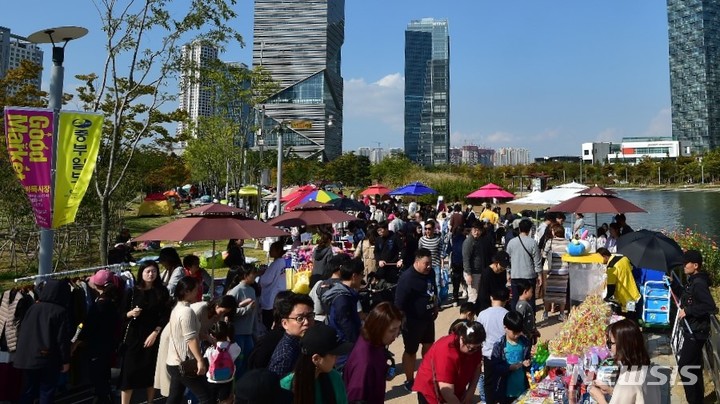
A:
[546,75]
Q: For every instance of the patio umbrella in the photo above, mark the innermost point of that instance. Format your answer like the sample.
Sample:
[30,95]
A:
[303,190]
[311,214]
[347,204]
[651,250]
[320,195]
[597,200]
[491,191]
[533,198]
[562,193]
[212,224]
[377,189]
[413,189]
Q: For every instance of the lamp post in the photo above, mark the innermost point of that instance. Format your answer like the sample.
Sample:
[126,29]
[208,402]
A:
[260,143]
[280,129]
[54,36]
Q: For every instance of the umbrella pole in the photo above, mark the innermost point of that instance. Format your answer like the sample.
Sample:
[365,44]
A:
[212,284]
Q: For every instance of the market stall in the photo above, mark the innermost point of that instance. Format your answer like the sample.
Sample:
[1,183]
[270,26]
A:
[587,273]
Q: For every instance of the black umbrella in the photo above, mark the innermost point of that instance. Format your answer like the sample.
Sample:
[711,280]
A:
[651,250]
[347,204]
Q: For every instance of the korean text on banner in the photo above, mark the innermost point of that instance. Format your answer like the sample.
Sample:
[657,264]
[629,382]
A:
[29,133]
[78,143]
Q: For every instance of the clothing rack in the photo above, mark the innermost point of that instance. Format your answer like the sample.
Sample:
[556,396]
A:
[117,268]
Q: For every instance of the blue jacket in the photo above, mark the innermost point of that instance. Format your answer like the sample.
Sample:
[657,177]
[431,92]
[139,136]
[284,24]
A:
[500,366]
[343,314]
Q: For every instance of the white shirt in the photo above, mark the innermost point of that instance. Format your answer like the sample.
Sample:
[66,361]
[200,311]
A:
[492,320]
[632,387]
[271,282]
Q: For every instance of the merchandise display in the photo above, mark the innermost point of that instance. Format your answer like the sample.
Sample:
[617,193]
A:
[592,316]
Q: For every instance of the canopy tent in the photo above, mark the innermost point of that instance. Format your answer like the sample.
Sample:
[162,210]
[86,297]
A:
[533,198]
[155,205]
[491,191]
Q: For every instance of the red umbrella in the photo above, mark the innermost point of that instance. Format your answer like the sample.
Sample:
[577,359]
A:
[597,200]
[302,191]
[311,213]
[215,209]
[377,189]
[491,191]
[212,227]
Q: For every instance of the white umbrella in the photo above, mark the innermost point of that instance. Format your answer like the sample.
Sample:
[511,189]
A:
[533,198]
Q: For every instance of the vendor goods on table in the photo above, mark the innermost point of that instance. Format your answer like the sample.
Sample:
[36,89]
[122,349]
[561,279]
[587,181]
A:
[585,327]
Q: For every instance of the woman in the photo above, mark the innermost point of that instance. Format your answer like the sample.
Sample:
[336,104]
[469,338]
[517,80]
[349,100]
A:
[579,225]
[556,276]
[170,262]
[601,240]
[321,259]
[184,342]
[634,383]
[453,363]
[314,380]
[271,282]
[366,251]
[146,311]
[366,369]
[98,333]
[209,313]
[245,315]
[614,234]
[235,253]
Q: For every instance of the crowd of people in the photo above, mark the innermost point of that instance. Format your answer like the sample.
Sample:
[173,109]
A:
[258,341]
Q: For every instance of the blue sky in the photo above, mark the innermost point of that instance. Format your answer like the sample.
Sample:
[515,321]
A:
[546,75]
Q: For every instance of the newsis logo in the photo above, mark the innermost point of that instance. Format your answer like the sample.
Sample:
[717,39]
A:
[654,375]
[81,123]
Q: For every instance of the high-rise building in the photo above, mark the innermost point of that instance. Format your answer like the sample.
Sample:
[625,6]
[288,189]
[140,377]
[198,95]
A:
[427,91]
[14,49]
[195,96]
[694,39]
[509,156]
[299,43]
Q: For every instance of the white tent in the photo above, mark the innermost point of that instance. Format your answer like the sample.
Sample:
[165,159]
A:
[552,196]
[533,198]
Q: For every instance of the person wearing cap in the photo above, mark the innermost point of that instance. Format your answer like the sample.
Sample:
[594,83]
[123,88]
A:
[696,308]
[261,386]
[97,337]
[297,316]
[524,261]
[388,253]
[314,378]
[494,276]
[416,296]
[450,370]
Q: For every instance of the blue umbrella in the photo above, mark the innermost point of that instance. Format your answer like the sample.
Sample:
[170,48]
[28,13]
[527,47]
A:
[414,189]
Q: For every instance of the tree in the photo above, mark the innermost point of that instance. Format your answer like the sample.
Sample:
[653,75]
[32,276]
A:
[350,169]
[131,88]
[394,169]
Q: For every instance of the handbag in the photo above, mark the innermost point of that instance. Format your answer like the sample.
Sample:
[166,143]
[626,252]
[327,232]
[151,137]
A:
[122,348]
[547,264]
[188,366]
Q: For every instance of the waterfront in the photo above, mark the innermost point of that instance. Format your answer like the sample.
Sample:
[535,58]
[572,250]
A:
[670,210]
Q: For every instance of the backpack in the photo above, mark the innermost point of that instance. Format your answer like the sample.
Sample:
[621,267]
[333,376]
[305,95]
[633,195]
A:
[222,367]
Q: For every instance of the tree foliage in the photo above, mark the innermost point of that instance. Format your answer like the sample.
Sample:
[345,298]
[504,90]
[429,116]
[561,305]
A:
[349,169]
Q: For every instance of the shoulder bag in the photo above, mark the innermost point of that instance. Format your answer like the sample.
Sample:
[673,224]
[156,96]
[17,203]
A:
[188,366]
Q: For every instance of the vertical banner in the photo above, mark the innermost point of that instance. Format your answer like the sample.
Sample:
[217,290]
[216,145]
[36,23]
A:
[29,133]
[79,135]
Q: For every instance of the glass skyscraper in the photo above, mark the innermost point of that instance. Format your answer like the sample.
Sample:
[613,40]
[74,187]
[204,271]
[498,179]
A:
[694,38]
[298,42]
[427,91]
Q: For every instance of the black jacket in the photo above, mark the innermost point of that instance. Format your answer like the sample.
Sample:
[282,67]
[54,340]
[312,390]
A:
[388,249]
[44,339]
[698,304]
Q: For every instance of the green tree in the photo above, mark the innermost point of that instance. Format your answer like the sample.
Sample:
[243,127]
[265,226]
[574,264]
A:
[350,169]
[394,170]
[131,90]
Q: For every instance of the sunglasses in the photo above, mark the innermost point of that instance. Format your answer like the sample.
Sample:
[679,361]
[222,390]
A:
[429,228]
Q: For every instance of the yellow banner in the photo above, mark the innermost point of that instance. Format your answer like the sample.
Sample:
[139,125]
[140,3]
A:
[79,136]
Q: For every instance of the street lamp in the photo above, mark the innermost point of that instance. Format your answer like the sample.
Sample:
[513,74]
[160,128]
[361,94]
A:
[280,131]
[54,36]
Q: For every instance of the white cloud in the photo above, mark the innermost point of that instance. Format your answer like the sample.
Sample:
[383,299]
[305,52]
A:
[660,124]
[492,140]
[378,102]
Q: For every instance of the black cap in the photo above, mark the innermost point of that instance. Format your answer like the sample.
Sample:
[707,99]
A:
[322,339]
[502,258]
[693,256]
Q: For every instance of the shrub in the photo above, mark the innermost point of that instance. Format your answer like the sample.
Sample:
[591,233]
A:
[694,240]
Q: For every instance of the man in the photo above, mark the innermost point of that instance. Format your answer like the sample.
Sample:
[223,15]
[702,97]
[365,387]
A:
[469,216]
[489,215]
[474,255]
[494,277]
[524,261]
[622,222]
[376,213]
[433,243]
[296,318]
[191,268]
[388,250]
[316,293]
[416,298]
[620,281]
[696,308]
[341,301]
[456,218]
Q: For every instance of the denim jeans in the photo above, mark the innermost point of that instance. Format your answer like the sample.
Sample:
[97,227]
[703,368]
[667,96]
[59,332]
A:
[246,344]
[40,383]
[198,386]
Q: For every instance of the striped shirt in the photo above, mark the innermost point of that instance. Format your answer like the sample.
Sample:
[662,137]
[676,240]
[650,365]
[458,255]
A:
[433,244]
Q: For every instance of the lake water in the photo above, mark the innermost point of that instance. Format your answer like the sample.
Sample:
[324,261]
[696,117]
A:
[670,210]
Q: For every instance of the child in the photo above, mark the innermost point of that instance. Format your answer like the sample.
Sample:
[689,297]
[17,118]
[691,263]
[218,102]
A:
[526,311]
[492,320]
[510,357]
[467,313]
[221,359]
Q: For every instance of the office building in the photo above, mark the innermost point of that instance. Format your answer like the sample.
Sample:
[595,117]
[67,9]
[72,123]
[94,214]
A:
[633,149]
[14,49]
[427,91]
[195,97]
[299,43]
[472,155]
[510,156]
[694,41]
